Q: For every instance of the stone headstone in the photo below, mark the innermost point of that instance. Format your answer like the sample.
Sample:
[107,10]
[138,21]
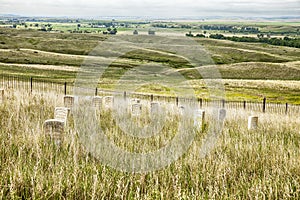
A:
[108,101]
[55,129]
[252,123]
[97,102]
[222,114]
[136,109]
[154,108]
[181,110]
[199,118]
[61,113]
[69,101]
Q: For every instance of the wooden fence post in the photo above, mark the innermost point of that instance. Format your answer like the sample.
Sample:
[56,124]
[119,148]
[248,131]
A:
[244,105]
[152,97]
[286,108]
[223,103]
[96,92]
[125,95]
[264,104]
[177,101]
[200,102]
[65,88]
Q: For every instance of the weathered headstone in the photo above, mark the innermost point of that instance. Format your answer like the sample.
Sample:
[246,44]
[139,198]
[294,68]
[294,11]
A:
[199,118]
[68,101]
[54,128]
[61,113]
[222,114]
[97,102]
[108,101]
[154,108]
[136,109]
[252,123]
[181,110]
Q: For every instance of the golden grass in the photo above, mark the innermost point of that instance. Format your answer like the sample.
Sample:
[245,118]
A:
[244,164]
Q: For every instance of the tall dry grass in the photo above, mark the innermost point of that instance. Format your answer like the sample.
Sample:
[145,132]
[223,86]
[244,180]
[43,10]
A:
[259,164]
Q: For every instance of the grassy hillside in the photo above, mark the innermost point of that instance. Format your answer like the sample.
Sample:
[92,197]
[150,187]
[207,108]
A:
[58,56]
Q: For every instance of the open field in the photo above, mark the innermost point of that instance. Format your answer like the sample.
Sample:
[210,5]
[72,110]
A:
[243,165]
[58,56]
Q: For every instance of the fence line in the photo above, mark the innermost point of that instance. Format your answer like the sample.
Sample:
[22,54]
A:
[44,86]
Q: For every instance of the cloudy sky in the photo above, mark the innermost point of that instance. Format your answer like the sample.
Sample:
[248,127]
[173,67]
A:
[152,8]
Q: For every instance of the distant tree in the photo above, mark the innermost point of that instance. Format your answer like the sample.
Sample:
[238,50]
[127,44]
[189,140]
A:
[260,35]
[200,35]
[113,31]
[189,34]
[14,25]
[43,28]
[217,36]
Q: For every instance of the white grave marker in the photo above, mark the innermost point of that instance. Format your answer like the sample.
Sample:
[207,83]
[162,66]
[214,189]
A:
[199,118]
[136,109]
[61,113]
[54,128]
[181,110]
[108,101]
[97,102]
[154,108]
[252,123]
[68,101]
[222,114]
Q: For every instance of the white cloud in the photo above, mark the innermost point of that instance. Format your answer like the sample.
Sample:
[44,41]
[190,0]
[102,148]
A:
[166,8]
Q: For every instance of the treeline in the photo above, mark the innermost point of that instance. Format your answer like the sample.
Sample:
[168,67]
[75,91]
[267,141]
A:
[286,41]
[160,25]
[228,28]
[232,29]
[192,35]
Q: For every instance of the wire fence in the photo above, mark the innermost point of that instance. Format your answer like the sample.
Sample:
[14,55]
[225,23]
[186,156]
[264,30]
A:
[40,85]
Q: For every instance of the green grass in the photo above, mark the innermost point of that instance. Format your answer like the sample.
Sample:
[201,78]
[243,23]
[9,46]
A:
[35,57]
[245,61]
[249,50]
[78,44]
[276,91]
[41,74]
